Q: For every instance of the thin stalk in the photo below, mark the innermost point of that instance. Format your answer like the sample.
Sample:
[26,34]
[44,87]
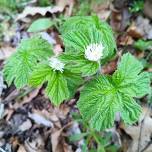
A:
[99,69]
[100,146]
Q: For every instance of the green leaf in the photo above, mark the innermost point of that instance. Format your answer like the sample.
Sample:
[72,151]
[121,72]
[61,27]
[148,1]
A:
[36,46]
[40,75]
[107,95]
[20,65]
[76,23]
[40,25]
[57,89]
[131,110]
[77,63]
[81,25]
[143,45]
[128,77]
[74,80]
[78,137]
[80,32]
[60,86]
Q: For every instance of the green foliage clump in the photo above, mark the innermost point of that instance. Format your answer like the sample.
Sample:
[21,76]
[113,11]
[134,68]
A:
[137,6]
[107,95]
[20,65]
[89,43]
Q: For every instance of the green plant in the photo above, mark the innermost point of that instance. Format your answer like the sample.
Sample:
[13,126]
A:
[143,45]
[102,139]
[12,4]
[137,6]
[89,44]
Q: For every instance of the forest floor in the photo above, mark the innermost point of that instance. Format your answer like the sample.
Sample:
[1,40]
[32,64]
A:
[28,120]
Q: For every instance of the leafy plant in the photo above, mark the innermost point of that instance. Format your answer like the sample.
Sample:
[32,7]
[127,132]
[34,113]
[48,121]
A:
[89,44]
[137,6]
[103,140]
[40,25]
[143,45]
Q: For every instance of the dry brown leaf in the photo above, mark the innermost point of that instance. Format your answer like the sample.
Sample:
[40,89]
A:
[110,67]
[62,111]
[6,52]
[36,145]
[29,10]
[125,40]
[134,132]
[115,21]
[30,96]
[134,31]
[55,140]
[102,10]
[58,143]
[21,149]
[57,49]
[147,8]
[40,118]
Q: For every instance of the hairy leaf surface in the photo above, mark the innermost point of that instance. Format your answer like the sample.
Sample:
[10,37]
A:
[102,98]
[81,24]
[77,63]
[20,65]
[60,86]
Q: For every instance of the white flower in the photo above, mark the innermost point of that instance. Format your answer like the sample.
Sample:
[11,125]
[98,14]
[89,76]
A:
[94,52]
[56,64]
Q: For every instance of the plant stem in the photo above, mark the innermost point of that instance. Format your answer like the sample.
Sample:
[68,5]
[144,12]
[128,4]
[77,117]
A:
[100,146]
[99,70]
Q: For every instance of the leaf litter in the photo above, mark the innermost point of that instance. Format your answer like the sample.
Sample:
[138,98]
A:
[29,123]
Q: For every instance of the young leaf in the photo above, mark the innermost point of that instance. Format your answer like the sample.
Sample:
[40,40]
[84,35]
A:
[76,23]
[82,24]
[90,49]
[74,80]
[57,89]
[40,25]
[60,85]
[102,98]
[78,63]
[20,65]
[87,47]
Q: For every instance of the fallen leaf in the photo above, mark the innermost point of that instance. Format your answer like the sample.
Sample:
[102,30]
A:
[48,37]
[6,52]
[147,8]
[26,125]
[102,10]
[39,118]
[21,149]
[36,145]
[141,27]
[58,142]
[1,110]
[125,40]
[145,128]
[109,68]
[55,140]
[29,10]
